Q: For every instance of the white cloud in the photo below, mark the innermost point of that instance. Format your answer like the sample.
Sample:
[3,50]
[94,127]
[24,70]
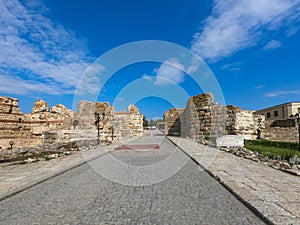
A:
[169,71]
[280,93]
[147,77]
[238,24]
[231,67]
[16,85]
[34,47]
[272,45]
[90,82]
[259,87]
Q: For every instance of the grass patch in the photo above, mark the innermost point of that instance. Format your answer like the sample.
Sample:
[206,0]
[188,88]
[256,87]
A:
[277,144]
[47,158]
[275,152]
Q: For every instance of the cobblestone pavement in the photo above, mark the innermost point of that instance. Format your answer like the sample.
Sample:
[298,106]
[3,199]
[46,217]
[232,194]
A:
[83,196]
[275,194]
[15,178]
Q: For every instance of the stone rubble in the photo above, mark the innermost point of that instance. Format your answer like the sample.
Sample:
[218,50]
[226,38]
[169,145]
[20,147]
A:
[274,194]
[57,128]
[282,165]
[203,119]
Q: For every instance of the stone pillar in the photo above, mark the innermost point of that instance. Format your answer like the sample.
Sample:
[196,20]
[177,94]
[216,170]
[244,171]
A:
[173,121]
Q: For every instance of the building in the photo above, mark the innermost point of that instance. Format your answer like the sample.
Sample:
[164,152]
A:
[280,112]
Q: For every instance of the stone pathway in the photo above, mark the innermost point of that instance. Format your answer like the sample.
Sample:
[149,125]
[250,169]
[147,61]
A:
[272,193]
[15,178]
[130,186]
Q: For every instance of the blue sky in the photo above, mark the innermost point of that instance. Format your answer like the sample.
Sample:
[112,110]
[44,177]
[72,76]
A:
[251,47]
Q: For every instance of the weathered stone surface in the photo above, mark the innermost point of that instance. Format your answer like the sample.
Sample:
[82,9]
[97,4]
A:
[255,156]
[12,126]
[173,121]
[289,134]
[113,125]
[62,110]
[204,120]
[135,122]
[40,106]
[45,125]
[9,105]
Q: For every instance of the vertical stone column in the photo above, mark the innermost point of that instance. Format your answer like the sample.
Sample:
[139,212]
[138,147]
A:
[12,126]
[173,121]
[135,121]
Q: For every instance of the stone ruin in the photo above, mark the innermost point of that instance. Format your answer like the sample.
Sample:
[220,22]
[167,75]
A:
[203,120]
[113,125]
[28,129]
[172,120]
[45,125]
[12,126]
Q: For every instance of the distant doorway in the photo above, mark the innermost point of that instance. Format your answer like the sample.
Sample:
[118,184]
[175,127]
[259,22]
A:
[75,124]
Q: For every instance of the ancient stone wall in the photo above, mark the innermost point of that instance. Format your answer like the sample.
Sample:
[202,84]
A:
[30,129]
[121,129]
[243,122]
[12,124]
[173,121]
[203,119]
[289,134]
[43,119]
[112,124]
[135,122]
[84,120]
[282,123]
[280,130]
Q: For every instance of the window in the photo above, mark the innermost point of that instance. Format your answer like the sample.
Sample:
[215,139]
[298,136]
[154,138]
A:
[268,115]
[275,113]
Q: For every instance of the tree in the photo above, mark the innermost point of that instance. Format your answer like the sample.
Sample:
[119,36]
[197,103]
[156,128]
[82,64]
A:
[145,122]
[152,123]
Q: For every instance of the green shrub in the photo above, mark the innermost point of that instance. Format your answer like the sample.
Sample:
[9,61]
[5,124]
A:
[211,139]
[277,144]
[291,155]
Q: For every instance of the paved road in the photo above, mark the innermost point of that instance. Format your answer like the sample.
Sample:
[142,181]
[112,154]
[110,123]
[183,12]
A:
[184,193]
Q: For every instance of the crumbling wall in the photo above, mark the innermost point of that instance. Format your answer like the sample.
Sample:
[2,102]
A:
[203,119]
[289,134]
[135,122]
[31,129]
[173,121]
[128,124]
[28,129]
[281,130]
[84,120]
[120,128]
[243,122]
[43,118]
[112,125]
[12,125]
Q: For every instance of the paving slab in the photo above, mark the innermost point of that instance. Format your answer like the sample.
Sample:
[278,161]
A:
[273,194]
[143,193]
[16,178]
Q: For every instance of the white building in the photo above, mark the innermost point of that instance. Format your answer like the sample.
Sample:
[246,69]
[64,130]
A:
[280,112]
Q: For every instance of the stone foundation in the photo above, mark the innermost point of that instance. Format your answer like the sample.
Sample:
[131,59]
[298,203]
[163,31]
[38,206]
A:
[203,119]
[288,134]
[58,123]
[173,122]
